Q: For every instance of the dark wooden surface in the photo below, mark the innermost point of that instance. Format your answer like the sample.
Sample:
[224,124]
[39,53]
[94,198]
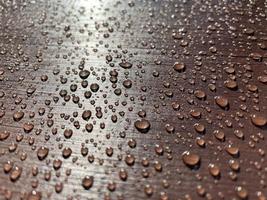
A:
[216,41]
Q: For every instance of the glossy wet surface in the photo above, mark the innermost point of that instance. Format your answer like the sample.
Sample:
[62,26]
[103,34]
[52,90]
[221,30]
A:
[133,99]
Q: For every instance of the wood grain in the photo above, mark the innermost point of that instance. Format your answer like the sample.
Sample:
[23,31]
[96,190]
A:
[45,44]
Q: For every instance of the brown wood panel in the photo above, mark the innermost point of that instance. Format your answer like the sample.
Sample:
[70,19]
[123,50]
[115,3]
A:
[155,99]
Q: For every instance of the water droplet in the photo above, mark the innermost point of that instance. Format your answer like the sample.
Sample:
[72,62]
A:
[42,153]
[190,159]
[15,174]
[66,153]
[129,159]
[200,142]
[233,151]
[88,182]
[230,84]
[258,120]
[219,135]
[179,67]
[123,174]
[221,101]
[68,133]
[57,164]
[200,128]
[4,135]
[34,195]
[17,116]
[241,192]
[84,74]
[94,87]
[148,190]
[86,115]
[200,94]
[8,166]
[214,170]
[127,83]
[125,65]
[142,125]
[234,165]
[28,127]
